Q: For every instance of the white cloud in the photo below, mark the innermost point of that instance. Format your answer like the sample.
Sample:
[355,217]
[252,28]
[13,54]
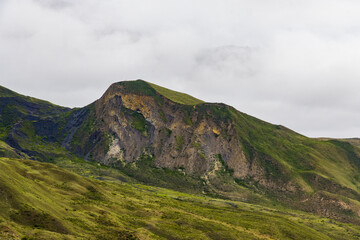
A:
[288,62]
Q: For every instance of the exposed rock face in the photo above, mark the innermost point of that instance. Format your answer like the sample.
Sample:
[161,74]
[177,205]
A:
[176,135]
[127,124]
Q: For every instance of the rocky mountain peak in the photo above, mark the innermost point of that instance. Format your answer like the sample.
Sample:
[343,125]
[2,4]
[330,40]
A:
[141,121]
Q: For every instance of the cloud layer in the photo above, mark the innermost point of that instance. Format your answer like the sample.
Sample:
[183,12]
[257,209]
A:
[289,62]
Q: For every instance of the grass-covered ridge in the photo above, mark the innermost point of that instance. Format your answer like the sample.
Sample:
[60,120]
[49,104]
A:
[4,92]
[7,93]
[175,96]
[7,151]
[149,89]
[42,201]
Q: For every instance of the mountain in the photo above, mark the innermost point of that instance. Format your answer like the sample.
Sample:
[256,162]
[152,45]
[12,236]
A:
[156,136]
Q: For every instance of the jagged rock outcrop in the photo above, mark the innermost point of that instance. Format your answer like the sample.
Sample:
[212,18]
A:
[178,136]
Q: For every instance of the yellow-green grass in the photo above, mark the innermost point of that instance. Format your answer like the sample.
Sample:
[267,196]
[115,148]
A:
[7,151]
[4,93]
[335,166]
[42,201]
[177,97]
[353,141]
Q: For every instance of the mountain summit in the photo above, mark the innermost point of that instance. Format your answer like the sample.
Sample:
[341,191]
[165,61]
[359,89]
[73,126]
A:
[166,138]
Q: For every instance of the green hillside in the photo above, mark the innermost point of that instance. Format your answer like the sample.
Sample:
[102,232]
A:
[174,96]
[236,173]
[7,93]
[297,155]
[15,108]
[42,201]
[4,92]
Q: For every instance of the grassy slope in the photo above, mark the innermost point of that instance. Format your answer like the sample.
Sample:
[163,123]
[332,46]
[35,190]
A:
[5,93]
[14,108]
[296,153]
[42,201]
[174,96]
[353,141]
[7,151]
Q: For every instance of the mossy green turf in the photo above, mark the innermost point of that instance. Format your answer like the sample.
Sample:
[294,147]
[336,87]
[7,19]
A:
[177,97]
[15,107]
[7,151]
[42,201]
[7,93]
[149,89]
[4,92]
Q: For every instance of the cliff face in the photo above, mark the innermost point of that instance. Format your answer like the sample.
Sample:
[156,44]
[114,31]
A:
[176,135]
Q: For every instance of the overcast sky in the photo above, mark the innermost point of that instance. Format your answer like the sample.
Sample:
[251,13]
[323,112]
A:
[294,63]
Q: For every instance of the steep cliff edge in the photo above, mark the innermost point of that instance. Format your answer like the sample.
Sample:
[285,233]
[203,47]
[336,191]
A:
[137,120]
